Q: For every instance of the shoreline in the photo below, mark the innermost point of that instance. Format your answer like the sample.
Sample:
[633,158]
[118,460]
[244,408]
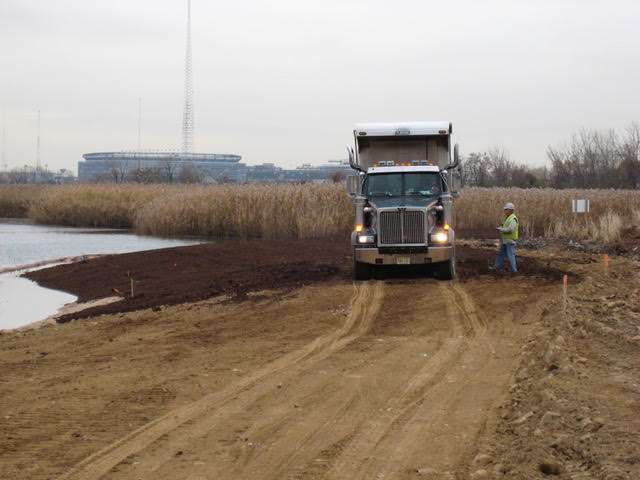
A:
[72,307]
[235,269]
[186,274]
[69,308]
[27,267]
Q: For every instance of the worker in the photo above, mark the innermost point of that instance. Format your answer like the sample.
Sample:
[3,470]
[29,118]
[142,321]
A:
[508,236]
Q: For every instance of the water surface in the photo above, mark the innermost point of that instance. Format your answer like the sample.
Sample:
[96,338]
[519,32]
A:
[22,301]
[22,243]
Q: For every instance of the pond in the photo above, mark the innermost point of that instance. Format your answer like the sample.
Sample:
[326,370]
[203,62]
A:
[22,244]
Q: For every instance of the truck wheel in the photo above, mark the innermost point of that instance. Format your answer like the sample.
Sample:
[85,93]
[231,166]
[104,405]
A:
[361,271]
[446,270]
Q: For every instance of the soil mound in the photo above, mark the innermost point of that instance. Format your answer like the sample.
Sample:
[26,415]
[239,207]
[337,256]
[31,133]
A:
[234,268]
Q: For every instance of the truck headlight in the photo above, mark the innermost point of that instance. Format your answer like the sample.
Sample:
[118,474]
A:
[440,237]
[365,239]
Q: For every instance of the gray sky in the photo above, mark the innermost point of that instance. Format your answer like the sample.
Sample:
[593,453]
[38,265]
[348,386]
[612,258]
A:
[283,81]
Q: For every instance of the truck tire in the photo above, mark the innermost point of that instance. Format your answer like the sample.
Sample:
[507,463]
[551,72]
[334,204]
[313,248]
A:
[361,271]
[446,270]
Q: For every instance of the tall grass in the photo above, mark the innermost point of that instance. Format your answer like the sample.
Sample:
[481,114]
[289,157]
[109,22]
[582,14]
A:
[93,205]
[303,211]
[251,211]
[548,213]
[15,200]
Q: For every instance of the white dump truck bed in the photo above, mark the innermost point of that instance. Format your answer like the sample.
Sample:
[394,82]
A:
[403,144]
[393,129]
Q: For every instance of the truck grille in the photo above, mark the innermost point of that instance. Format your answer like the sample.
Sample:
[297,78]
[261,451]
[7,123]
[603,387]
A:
[399,227]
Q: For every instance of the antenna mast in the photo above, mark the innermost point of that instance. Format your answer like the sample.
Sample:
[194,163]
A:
[38,145]
[4,142]
[139,123]
[187,118]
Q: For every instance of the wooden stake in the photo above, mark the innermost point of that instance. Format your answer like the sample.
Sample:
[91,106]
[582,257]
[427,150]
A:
[605,259]
[132,286]
[565,284]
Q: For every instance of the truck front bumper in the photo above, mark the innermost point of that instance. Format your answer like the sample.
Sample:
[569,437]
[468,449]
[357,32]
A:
[387,256]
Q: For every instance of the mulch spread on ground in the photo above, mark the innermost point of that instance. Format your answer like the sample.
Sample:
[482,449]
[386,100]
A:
[233,268]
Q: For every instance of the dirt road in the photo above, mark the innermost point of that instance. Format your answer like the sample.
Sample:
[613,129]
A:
[395,387]
[399,378]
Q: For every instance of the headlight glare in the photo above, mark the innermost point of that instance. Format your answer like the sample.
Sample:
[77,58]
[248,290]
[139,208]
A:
[440,237]
[365,238]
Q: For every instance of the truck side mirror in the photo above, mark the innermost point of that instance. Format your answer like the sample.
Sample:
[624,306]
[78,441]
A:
[353,159]
[456,159]
[353,185]
[455,171]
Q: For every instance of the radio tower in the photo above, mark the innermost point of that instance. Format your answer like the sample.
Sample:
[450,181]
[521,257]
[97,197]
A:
[4,142]
[187,118]
[38,145]
[139,123]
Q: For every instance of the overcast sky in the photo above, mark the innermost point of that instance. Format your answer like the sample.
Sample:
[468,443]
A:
[284,81]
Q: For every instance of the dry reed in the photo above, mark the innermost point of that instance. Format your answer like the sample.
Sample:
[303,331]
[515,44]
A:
[250,211]
[92,205]
[16,199]
[304,211]
[548,213]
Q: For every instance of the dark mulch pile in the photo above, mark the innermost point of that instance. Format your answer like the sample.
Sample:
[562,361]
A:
[187,274]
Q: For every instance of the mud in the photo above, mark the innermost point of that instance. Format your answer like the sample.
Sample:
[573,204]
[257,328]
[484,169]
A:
[487,378]
[233,269]
[572,412]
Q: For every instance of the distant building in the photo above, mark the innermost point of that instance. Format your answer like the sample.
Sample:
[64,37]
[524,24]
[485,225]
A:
[264,173]
[169,166]
[330,171]
[199,167]
[40,175]
[64,176]
[268,172]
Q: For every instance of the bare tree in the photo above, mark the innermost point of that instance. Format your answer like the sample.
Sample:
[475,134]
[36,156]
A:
[118,171]
[629,152]
[476,170]
[190,174]
[168,171]
[501,166]
[338,176]
[20,175]
[147,175]
[594,159]
[495,168]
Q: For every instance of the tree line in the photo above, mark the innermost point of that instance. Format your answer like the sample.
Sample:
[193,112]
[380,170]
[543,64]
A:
[121,171]
[591,159]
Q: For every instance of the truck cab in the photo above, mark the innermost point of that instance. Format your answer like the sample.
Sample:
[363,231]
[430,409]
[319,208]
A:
[403,192]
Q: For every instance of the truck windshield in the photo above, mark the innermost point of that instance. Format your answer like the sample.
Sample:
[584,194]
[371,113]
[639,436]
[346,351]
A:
[399,184]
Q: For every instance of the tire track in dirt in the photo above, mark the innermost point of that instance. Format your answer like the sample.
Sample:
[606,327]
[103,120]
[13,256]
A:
[339,411]
[437,401]
[365,309]
[366,300]
[468,307]
[349,423]
[356,456]
[337,417]
[441,429]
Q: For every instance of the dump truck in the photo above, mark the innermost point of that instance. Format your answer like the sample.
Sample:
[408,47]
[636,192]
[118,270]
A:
[403,192]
